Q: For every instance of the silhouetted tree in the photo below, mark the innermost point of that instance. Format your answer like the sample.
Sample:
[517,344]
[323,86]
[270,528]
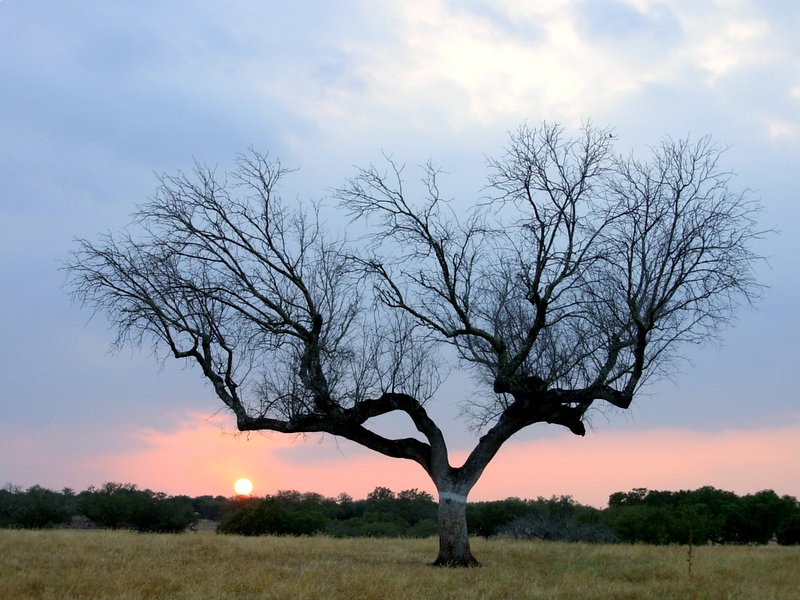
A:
[580,275]
[208,507]
[6,502]
[698,516]
[788,533]
[34,508]
[111,505]
[487,519]
[124,506]
[755,517]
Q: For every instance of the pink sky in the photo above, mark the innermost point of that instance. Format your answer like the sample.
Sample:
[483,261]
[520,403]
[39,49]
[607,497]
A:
[205,456]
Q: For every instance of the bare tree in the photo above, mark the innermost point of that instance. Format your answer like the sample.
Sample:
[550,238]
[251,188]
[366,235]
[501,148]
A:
[579,276]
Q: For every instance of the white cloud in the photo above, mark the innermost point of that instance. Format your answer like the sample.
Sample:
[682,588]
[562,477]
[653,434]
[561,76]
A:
[778,129]
[462,68]
[721,48]
[452,66]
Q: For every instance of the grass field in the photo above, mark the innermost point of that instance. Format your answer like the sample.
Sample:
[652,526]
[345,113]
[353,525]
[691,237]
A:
[105,564]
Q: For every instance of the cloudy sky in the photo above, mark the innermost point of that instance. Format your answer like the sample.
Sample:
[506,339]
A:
[97,98]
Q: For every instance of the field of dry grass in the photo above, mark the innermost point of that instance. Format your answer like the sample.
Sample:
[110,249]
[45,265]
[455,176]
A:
[104,564]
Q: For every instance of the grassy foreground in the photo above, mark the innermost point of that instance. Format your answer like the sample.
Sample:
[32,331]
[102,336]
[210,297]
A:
[106,564]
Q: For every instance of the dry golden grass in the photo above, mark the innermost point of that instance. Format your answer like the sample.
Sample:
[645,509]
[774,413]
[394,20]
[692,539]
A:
[104,564]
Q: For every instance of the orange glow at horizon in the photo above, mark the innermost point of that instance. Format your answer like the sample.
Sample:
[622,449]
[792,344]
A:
[201,459]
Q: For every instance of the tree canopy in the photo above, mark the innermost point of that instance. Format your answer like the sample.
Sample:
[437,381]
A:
[576,276]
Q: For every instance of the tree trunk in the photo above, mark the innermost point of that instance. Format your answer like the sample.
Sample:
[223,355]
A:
[453,540]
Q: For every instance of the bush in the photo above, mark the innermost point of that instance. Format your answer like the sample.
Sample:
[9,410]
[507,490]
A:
[788,533]
[559,519]
[208,507]
[488,519]
[699,517]
[35,508]
[367,527]
[286,513]
[640,523]
[124,506]
[421,529]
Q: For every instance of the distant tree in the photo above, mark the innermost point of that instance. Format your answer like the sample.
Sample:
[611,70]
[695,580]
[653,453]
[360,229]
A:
[415,506]
[345,507]
[381,495]
[580,275]
[242,517]
[408,513]
[285,513]
[111,505]
[755,517]
[208,507]
[698,516]
[634,497]
[694,524]
[35,508]
[641,523]
[8,496]
[124,506]
[788,533]
[558,518]
[487,519]
[157,512]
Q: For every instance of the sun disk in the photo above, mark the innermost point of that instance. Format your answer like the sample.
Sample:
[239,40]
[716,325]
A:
[243,487]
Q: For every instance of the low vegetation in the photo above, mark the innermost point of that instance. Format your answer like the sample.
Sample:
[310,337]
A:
[112,506]
[61,564]
[703,516]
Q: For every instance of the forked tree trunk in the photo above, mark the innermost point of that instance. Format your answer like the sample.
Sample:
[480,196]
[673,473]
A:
[453,540]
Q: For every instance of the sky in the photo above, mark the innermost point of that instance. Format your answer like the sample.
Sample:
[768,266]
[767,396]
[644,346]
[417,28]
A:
[96,99]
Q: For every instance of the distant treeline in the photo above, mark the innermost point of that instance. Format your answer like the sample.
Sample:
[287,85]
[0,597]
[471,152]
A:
[112,506]
[702,516]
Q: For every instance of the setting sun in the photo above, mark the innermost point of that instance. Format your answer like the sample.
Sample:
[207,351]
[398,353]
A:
[243,487]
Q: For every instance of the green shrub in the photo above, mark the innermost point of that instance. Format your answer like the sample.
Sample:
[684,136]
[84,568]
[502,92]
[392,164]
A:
[788,533]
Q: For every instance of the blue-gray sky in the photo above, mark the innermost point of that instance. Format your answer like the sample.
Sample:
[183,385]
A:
[96,98]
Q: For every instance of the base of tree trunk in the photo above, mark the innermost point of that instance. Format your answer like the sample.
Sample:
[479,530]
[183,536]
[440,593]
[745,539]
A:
[469,562]
[453,535]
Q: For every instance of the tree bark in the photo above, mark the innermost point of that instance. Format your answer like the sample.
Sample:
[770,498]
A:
[453,539]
